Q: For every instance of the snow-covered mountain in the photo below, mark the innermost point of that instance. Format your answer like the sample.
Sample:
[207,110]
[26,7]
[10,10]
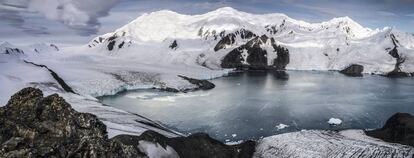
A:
[153,50]
[227,38]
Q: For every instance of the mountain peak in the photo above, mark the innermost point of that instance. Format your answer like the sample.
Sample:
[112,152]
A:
[226,9]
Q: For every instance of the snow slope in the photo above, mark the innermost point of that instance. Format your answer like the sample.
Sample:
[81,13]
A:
[331,45]
[324,144]
[91,75]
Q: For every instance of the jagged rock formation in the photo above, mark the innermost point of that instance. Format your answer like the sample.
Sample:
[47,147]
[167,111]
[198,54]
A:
[112,41]
[51,128]
[230,38]
[252,55]
[399,128]
[7,48]
[353,70]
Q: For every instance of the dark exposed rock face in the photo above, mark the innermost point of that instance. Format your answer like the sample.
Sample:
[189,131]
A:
[54,46]
[174,45]
[117,40]
[35,126]
[353,70]
[399,60]
[398,129]
[196,145]
[202,84]
[230,38]
[12,51]
[252,56]
[111,45]
[282,58]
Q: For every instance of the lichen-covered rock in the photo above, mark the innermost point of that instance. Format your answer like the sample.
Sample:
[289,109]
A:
[35,126]
[353,70]
[399,128]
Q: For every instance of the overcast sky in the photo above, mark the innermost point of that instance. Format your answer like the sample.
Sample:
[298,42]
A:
[77,21]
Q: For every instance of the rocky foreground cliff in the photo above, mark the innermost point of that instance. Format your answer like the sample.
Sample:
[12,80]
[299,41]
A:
[32,125]
[35,126]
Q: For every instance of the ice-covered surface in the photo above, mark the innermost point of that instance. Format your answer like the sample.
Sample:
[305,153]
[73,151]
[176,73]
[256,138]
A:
[334,121]
[281,126]
[324,144]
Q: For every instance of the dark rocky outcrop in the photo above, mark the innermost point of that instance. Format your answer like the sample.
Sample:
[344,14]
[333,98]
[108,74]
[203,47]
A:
[54,46]
[399,128]
[193,146]
[226,40]
[282,58]
[353,70]
[201,84]
[35,126]
[111,45]
[174,45]
[399,60]
[12,51]
[121,45]
[230,38]
[253,57]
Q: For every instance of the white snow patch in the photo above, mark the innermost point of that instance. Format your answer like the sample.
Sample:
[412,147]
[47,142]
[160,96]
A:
[153,150]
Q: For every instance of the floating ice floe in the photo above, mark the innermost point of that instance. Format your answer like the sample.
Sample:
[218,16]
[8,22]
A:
[281,126]
[334,121]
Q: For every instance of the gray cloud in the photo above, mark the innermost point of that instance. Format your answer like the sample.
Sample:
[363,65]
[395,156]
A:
[81,15]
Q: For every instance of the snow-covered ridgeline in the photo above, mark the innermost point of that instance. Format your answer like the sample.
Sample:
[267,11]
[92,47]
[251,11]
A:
[142,57]
[331,45]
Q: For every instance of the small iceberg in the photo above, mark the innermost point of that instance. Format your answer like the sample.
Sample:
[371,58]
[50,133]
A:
[281,126]
[334,121]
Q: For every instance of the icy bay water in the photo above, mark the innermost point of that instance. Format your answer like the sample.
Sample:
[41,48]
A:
[252,105]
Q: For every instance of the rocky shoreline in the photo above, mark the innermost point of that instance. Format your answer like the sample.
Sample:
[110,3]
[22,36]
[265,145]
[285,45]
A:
[32,125]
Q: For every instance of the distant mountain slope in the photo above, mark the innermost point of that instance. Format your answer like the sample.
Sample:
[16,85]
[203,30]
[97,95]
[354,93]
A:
[227,38]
